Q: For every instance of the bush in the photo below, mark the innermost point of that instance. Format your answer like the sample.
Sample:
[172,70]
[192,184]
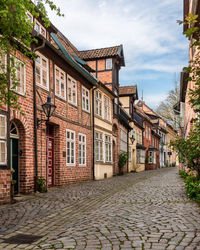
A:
[42,184]
[123,158]
[192,185]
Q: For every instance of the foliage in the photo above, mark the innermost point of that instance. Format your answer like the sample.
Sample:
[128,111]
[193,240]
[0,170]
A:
[165,108]
[15,30]
[41,184]
[189,148]
[192,185]
[123,158]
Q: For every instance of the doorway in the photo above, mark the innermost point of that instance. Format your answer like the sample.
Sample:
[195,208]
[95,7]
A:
[50,155]
[14,155]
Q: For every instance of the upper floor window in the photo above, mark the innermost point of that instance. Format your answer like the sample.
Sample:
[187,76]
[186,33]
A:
[109,63]
[106,108]
[60,83]
[123,141]
[82,149]
[42,71]
[72,90]
[149,134]
[40,29]
[98,103]
[29,16]
[3,140]
[70,147]
[3,63]
[20,77]
[85,99]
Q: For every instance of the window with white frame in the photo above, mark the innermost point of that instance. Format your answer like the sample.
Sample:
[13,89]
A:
[149,134]
[123,141]
[72,90]
[20,76]
[140,156]
[60,83]
[108,150]
[98,146]
[85,99]
[29,16]
[70,139]
[82,149]
[109,63]
[40,29]
[3,140]
[42,71]
[98,103]
[3,63]
[106,108]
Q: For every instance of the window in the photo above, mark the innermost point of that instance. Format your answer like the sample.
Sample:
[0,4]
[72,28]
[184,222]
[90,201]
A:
[85,99]
[108,155]
[109,63]
[123,141]
[106,108]
[98,146]
[70,147]
[140,156]
[40,29]
[98,103]
[3,63]
[151,157]
[149,134]
[29,16]
[129,154]
[82,149]
[72,90]
[3,140]
[20,77]
[42,71]
[60,83]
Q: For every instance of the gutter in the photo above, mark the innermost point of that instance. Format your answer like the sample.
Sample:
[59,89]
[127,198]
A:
[35,119]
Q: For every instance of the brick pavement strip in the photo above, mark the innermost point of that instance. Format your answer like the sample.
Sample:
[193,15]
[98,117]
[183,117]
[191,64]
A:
[146,210]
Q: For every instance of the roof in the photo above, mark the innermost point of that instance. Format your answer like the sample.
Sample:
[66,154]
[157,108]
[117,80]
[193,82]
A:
[127,90]
[98,53]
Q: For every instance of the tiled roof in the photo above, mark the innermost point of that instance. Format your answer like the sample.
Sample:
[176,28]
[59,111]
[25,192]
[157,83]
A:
[127,90]
[98,53]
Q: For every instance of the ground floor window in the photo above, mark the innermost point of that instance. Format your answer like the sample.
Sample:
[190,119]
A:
[140,156]
[82,149]
[108,151]
[3,139]
[129,154]
[70,147]
[152,157]
[98,146]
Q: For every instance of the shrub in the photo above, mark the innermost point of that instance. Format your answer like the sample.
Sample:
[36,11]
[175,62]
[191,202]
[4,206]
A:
[123,158]
[42,184]
[183,174]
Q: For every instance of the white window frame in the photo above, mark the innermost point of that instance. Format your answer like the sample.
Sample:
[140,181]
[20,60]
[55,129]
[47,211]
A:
[107,108]
[60,82]
[3,57]
[98,103]
[40,29]
[69,86]
[151,157]
[99,142]
[3,139]
[70,148]
[108,63]
[42,68]
[81,152]
[29,14]
[123,140]
[86,98]
[108,149]
[149,134]
[129,154]
[22,66]
[140,156]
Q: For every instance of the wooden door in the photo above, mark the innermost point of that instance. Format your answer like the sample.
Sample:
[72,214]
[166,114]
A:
[50,162]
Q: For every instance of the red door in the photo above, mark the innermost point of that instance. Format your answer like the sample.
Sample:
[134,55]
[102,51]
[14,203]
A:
[50,161]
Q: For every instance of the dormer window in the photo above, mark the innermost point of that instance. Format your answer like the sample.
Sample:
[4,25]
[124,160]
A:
[109,63]
[40,29]
[29,16]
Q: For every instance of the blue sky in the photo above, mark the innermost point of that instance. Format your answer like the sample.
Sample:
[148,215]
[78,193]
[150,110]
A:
[155,49]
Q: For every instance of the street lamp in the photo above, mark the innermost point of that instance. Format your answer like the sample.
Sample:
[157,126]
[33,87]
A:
[48,109]
[132,138]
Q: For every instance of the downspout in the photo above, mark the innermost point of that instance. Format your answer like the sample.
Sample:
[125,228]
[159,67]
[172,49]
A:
[35,119]
[127,148]
[93,162]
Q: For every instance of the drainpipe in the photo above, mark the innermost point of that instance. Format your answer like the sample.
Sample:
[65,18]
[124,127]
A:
[93,162]
[35,119]
[127,148]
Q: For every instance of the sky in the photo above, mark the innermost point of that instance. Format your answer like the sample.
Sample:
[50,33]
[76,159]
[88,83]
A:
[155,49]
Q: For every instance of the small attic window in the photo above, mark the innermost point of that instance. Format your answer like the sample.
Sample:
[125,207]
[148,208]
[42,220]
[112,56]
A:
[109,63]
[40,29]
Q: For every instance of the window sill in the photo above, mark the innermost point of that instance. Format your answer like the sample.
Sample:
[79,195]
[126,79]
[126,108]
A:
[42,87]
[73,104]
[86,111]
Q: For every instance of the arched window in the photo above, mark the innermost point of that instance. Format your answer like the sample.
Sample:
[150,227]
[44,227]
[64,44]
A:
[14,133]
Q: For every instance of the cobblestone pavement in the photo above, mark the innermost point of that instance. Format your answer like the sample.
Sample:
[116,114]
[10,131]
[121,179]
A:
[146,210]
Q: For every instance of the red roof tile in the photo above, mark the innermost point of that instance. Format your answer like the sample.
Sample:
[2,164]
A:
[127,90]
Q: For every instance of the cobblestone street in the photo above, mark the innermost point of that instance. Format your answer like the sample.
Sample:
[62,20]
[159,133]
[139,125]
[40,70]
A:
[146,210]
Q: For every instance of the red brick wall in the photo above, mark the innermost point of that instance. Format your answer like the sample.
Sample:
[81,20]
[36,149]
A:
[5,184]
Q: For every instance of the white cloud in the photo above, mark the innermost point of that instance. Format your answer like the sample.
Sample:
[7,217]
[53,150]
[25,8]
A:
[153,100]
